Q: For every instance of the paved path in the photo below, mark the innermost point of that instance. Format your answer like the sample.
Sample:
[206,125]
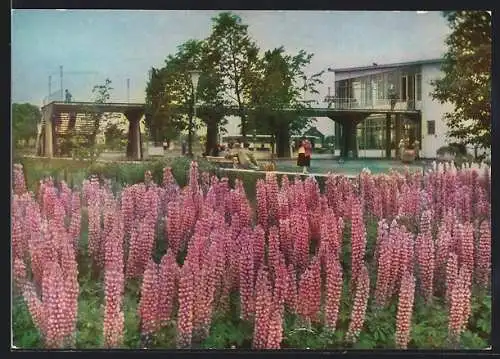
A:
[238,170]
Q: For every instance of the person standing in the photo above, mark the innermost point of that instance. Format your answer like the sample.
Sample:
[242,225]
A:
[301,157]
[67,96]
[308,153]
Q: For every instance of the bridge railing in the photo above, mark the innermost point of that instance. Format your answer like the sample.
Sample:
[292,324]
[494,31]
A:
[362,104]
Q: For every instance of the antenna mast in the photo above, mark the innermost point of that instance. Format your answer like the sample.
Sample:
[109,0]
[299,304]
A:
[128,90]
[61,77]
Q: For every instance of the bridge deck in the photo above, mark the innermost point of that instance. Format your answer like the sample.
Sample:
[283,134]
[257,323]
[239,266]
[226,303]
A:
[124,107]
[91,106]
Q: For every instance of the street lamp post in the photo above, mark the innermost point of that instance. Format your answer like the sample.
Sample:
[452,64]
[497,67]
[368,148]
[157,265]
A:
[195,76]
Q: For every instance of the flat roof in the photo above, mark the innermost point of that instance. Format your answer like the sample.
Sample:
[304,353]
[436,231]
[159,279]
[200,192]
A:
[105,107]
[386,66]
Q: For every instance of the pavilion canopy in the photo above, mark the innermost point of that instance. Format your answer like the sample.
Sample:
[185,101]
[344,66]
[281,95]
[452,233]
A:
[345,75]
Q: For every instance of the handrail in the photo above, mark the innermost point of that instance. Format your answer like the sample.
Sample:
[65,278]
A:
[378,104]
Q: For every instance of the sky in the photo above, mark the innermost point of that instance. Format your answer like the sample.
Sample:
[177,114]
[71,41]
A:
[93,45]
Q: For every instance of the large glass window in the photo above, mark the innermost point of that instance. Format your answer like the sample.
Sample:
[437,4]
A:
[419,87]
[403,88]
[371,134]
[381,88]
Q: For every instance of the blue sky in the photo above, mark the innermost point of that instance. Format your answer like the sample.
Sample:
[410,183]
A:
[125,44]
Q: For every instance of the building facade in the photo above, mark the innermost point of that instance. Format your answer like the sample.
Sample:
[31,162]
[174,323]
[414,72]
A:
[380,90]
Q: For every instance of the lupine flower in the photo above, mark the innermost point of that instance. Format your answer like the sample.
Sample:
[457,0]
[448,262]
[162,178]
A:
[114,285]
[168,277]
[53,304]
[459,304]
[334,280]
[75,224]
[359,306]
[272,189]
[19,245]
[35,307]
[358,239]
[247,275]
[148,305]
[186,300]
[259,244]
[451,274]
[275,330]
[262,310]
[299,231]
[425,258]
[309,291]
[467,246]
[483,258]
[385,254]
[405,309]
[19,272]
[273,252]
[19,183]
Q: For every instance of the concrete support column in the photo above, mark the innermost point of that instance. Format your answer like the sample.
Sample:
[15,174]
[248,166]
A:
[48,132]
[418,124]
[134,150]
[55,147]
[349,138]
[388,121]
[398,134]
[338,135]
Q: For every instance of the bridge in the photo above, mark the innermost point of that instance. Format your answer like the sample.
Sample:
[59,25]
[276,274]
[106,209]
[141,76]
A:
[61,119]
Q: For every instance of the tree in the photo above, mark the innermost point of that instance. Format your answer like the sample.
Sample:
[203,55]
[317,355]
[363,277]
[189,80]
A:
[25,118]
[101,94]
[114,135]
[235,59]
[467,80]
[281,84]
[169,93]
[85,146]
[211,94]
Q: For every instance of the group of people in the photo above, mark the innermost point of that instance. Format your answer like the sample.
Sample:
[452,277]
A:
[244,158]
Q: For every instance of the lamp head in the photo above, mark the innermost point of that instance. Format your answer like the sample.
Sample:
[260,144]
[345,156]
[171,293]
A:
[195,77]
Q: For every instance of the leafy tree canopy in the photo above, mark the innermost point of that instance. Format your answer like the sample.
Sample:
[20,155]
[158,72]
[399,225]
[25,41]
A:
[282,85]
[169,91]
[467,80]
[234,56]
[25,118]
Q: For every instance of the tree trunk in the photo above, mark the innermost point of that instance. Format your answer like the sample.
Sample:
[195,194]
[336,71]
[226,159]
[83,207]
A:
[212,132]
[243,124]
[157,137]
[283,141]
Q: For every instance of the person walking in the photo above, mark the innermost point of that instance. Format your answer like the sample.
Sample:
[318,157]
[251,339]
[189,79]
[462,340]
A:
[301,157]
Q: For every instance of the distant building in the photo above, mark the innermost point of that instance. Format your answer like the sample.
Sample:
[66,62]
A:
[403,88]
[376,108]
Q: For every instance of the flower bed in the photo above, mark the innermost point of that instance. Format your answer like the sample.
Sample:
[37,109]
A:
[381,261]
